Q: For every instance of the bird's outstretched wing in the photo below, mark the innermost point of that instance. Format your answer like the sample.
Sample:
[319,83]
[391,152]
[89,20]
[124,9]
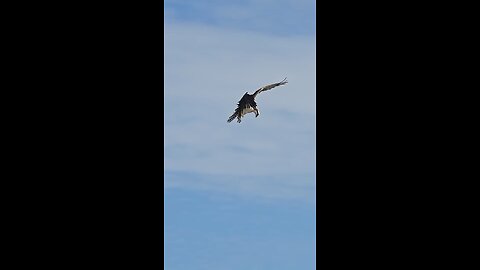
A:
[234,115]
[270,86]
[241,106]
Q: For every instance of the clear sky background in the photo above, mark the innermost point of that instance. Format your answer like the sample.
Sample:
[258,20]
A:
[239,196]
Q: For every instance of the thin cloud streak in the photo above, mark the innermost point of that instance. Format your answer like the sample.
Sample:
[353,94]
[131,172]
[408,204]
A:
[279,17]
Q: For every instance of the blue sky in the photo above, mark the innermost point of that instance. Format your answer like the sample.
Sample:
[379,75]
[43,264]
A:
[239,196]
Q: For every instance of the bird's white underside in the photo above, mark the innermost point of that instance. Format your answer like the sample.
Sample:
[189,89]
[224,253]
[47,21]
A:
[247,110]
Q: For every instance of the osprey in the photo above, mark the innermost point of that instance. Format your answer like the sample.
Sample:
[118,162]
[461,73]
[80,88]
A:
[247,104]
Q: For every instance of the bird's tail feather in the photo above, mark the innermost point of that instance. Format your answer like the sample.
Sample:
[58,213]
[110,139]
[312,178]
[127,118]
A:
[230,119]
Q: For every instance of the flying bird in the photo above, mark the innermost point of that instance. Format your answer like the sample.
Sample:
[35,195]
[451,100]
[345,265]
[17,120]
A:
[247,104]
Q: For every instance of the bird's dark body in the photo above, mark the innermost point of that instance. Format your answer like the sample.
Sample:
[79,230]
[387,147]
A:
[247,99]
[247,103]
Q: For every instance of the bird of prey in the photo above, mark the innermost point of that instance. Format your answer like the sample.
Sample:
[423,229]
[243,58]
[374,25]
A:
[247,104]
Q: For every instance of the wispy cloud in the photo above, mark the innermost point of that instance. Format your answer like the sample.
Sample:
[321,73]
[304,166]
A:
[280,17]
[207,70]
